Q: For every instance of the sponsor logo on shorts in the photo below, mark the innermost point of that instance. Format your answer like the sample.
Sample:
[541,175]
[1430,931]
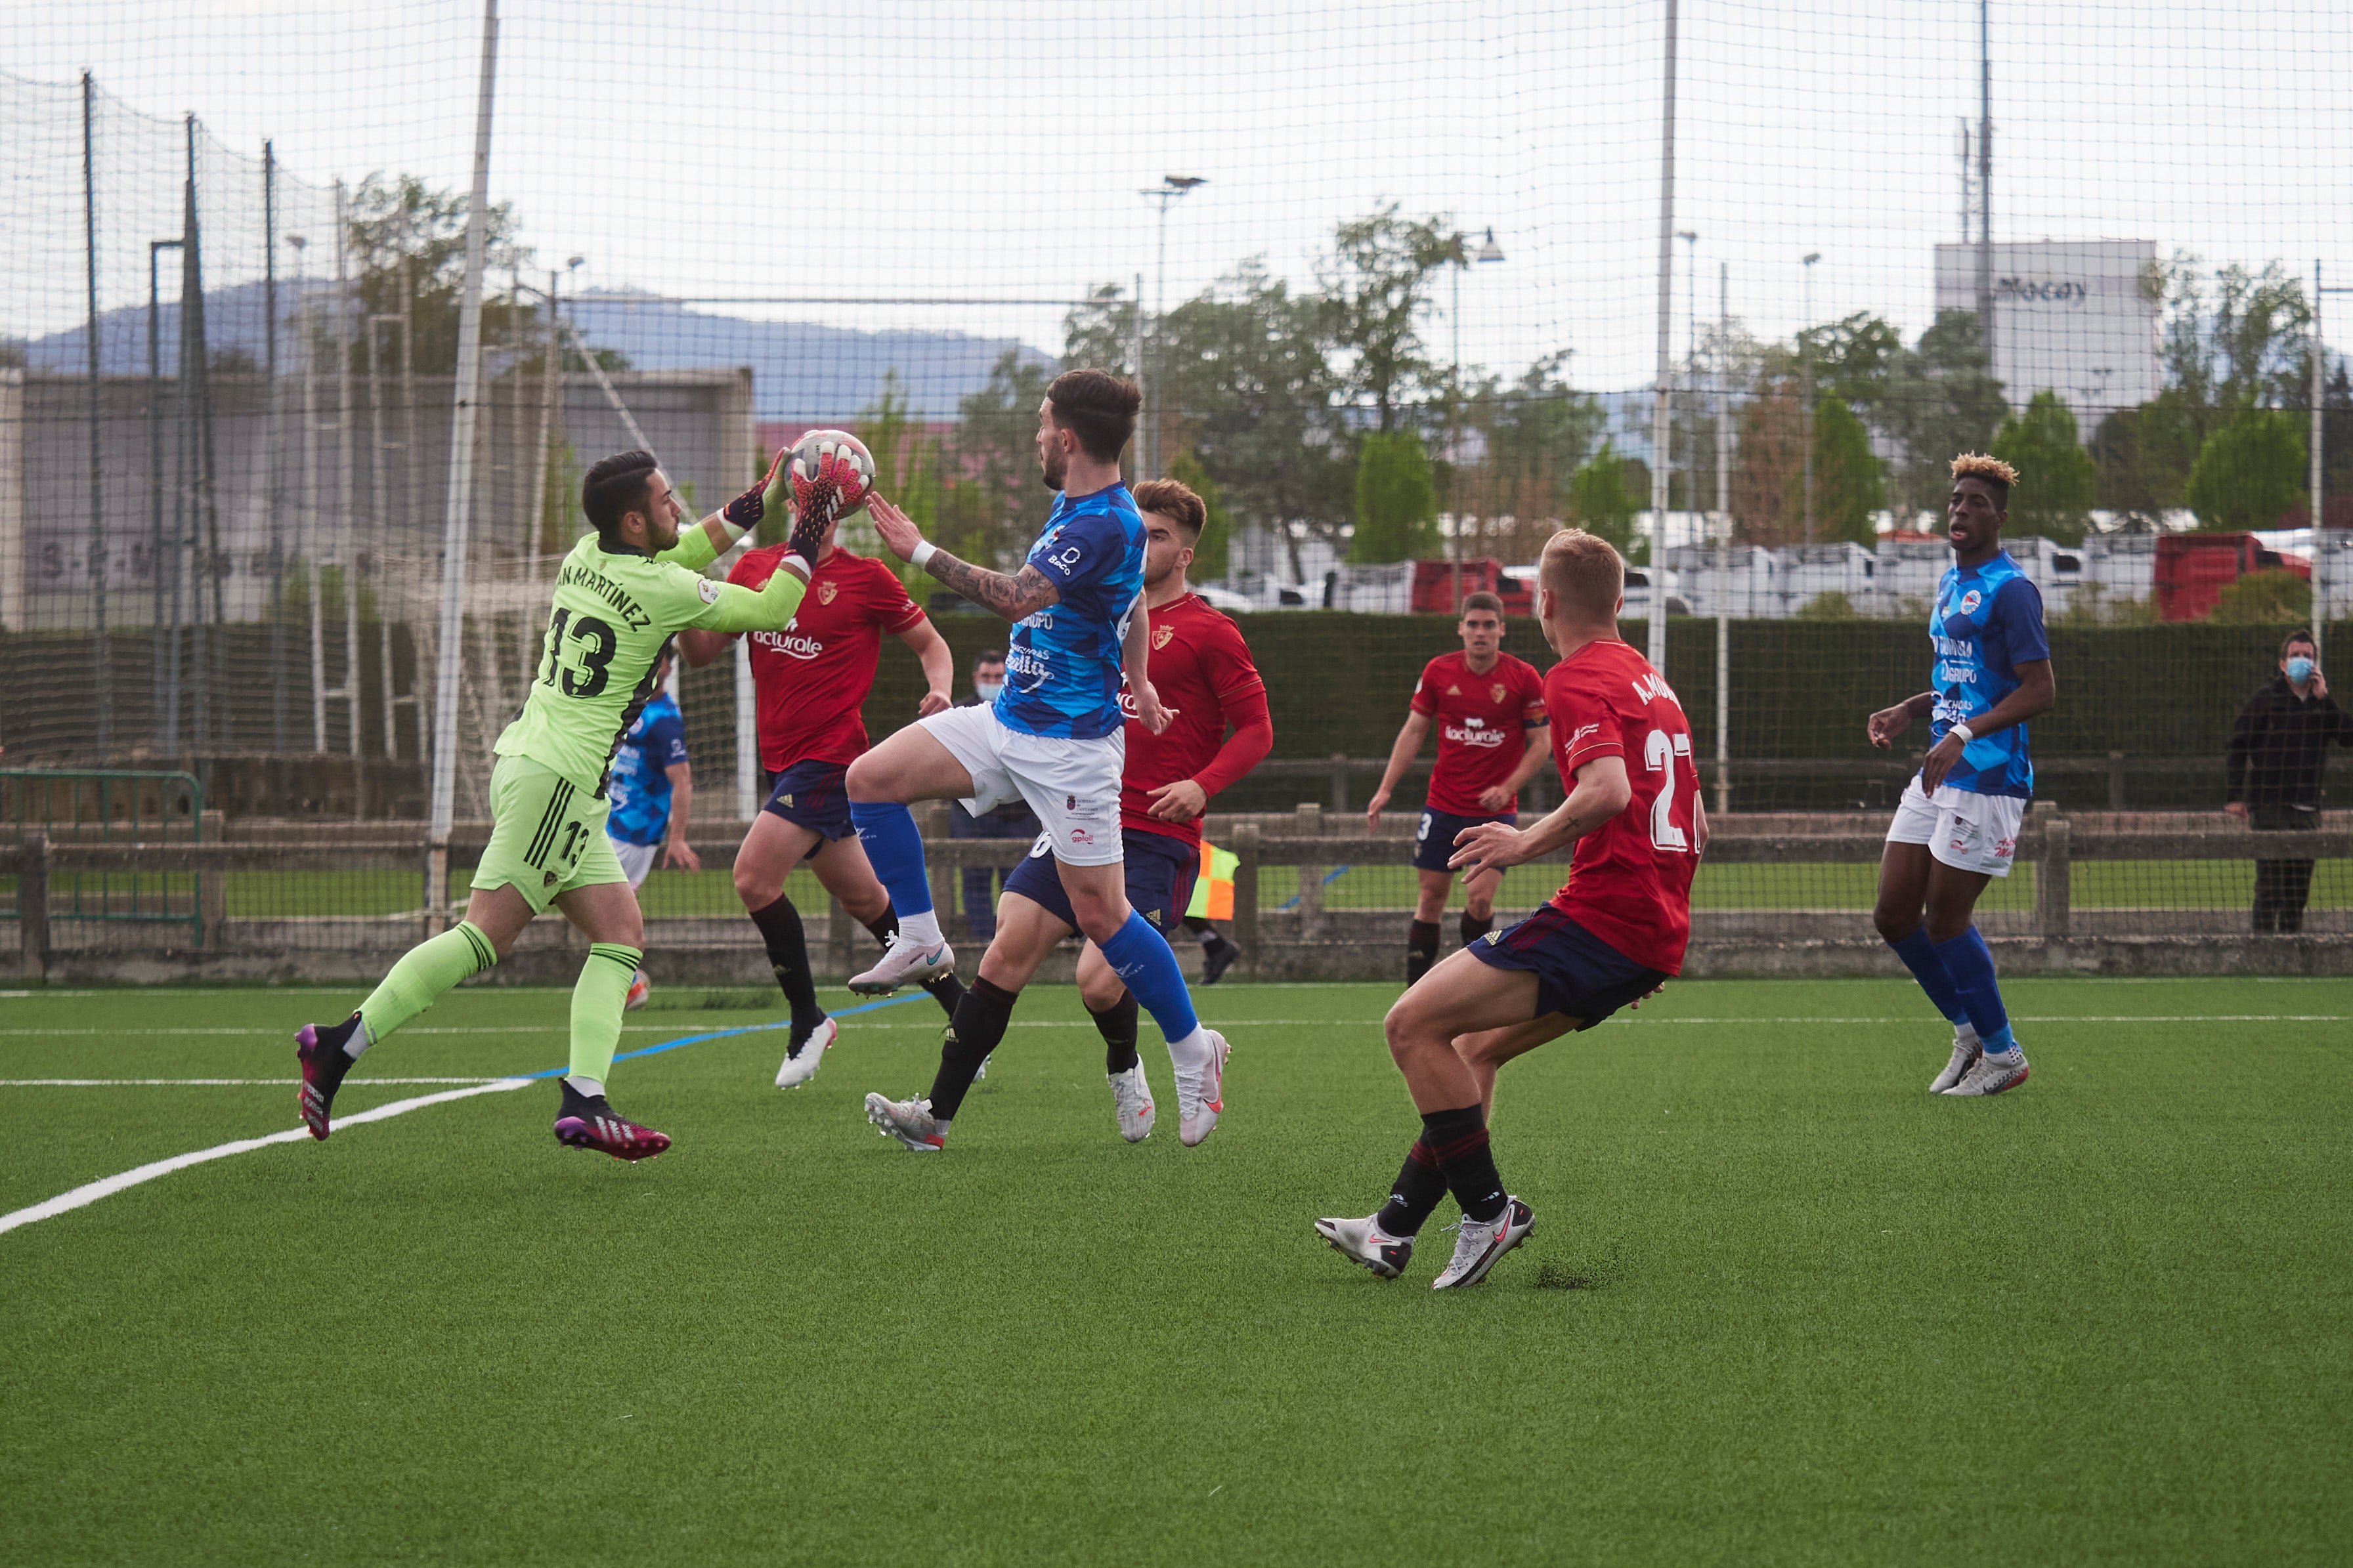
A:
[786,801]
[1080,836]
[2004,848]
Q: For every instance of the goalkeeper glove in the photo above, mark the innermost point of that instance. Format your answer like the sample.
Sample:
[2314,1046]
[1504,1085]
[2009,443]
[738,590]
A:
[743,514]
[807,540]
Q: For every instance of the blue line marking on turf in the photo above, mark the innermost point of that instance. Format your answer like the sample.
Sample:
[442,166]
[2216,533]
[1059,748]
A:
[724,1034]
[1330,877]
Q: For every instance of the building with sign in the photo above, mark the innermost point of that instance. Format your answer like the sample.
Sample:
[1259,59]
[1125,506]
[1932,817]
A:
[2068,316]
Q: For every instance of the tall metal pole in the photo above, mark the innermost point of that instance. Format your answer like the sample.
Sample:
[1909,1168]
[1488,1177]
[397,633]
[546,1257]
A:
[2319,522]
[272,445]
[155,565]
[1659,429]
[1806,411]
[102,665]
[1159,352]
[536,509]
[1985,183]
[461,490]
[1723,544]
[346,480]
[307,315]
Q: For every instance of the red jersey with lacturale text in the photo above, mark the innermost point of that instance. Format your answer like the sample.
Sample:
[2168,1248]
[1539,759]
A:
[1630,878]
[1201,668]
[812,678]
[1483,724]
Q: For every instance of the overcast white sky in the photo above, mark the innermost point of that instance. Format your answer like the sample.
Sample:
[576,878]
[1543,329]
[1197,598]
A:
[995,148]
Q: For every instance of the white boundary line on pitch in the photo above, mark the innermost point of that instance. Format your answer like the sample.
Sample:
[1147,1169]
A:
[90,1191]
[208,1082]
[519,1029]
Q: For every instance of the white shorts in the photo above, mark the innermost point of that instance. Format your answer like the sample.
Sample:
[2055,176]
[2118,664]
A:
[1072,785]
[1966,831]
[637,859]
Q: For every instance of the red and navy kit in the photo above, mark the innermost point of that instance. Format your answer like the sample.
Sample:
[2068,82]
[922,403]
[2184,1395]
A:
[1483,723]
[1202,669]
[812,678]
[1620,927]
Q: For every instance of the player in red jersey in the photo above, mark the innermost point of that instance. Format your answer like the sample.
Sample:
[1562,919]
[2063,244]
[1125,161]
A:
[1488,709]
[811,680]
[1203,672]
[1613,936]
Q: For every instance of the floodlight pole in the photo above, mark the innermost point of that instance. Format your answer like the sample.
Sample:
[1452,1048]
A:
[1985,180]
[2320,564]
[448,654]
[1172,188]
[102,670]
[1659,428]
[1723,545]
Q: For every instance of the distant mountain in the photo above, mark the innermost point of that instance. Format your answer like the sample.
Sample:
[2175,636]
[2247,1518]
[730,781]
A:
[800,371]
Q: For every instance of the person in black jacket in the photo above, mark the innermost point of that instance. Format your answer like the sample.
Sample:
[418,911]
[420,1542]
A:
[2274,770]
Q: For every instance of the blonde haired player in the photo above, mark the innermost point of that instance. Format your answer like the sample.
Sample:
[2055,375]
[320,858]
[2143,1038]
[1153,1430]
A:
[1613,936]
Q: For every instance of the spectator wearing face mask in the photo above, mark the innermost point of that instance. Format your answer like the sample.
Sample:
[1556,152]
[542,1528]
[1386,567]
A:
[2274,769]
[981,883]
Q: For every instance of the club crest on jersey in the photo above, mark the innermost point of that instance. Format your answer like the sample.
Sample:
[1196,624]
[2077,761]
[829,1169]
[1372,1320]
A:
[1162,637]
[1970,601]
[826,591]
[708,589]
[1498,691]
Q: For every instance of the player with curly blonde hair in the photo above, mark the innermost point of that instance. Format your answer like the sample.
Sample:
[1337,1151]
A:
[1956,826]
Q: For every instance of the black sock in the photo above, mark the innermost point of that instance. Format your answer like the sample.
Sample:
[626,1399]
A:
[1459,1139]
[947,991]
[885,925]
[1117,1023]
[1202,929]
[1420,949]
[787,944]
[979,1023]
[1419,1187]
[1473,930]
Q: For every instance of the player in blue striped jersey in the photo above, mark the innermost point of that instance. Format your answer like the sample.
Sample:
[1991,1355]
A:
[1956,826]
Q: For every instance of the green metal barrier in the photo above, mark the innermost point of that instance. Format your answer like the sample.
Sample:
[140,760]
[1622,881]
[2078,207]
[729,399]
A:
[105,805]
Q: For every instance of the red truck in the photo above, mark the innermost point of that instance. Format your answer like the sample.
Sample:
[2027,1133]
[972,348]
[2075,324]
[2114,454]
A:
[1434,590]
[2192,570]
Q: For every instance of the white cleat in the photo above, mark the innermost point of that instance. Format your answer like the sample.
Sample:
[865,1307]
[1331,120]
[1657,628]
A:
[1133,1095]
[1965,1057]
[1477,1245]
[1992,1075]
[908,1120]
[1198,1111]
[801,1064]
[904,963]
[1363,1241]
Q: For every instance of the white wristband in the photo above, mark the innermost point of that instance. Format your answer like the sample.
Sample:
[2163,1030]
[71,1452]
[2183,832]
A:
[925,550]
[1964,732]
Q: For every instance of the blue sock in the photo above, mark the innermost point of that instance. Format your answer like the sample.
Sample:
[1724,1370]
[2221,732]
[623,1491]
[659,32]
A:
[1140,957]
[1919,956]
[1970,963]
[895,849]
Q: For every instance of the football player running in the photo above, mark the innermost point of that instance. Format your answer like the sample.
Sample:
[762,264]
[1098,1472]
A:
[811,680]
[619,595]
[1955,828]
[1053,738]
[1199,663]
[1610,937]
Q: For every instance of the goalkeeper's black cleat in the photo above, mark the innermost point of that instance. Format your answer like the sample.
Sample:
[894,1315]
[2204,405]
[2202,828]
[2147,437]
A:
[320,1048]
[587,1122]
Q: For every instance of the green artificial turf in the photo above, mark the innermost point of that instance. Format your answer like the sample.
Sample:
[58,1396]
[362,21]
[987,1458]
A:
[1780,1305]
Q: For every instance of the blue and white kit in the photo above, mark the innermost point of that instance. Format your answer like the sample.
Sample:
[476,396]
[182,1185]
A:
[1986,622]
[1055,737]
[640,790]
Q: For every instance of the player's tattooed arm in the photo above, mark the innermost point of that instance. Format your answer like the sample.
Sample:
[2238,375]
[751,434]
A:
[1016,598]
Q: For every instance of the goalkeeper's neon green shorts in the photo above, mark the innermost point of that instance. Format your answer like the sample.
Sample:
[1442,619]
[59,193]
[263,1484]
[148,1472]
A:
[547,836]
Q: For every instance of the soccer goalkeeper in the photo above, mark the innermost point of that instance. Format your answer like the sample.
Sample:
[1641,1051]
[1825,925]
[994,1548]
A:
[620,594]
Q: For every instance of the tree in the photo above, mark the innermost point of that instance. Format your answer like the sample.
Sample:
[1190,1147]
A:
[408,241]
[1847,485]
[1209,555]
[1599,501]
[1943,401]
[2248,472]
[2264,599]
[1397,504]
[996,506]
[1376,285]
[1769,466]
[1533,436]
[2056,477]
[906,472]
[2230,338]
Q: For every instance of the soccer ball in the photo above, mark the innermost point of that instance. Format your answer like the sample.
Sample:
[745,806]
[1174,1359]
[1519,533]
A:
[832,474]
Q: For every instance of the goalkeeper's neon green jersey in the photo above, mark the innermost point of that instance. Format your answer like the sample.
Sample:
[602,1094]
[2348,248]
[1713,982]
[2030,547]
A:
[612,611]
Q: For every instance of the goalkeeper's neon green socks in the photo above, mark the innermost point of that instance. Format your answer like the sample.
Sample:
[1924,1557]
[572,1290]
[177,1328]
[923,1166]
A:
[596,1002]
[416,982]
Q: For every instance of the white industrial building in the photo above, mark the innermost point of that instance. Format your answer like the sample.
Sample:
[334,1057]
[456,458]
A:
[2069,316]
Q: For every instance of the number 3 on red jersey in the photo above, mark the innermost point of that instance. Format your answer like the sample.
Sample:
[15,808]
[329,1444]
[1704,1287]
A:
[1659,750]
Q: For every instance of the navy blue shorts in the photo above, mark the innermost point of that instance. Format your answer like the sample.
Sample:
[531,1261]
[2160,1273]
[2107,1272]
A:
[1160,874]
[1433,841]
[815,796]
[1576,973]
